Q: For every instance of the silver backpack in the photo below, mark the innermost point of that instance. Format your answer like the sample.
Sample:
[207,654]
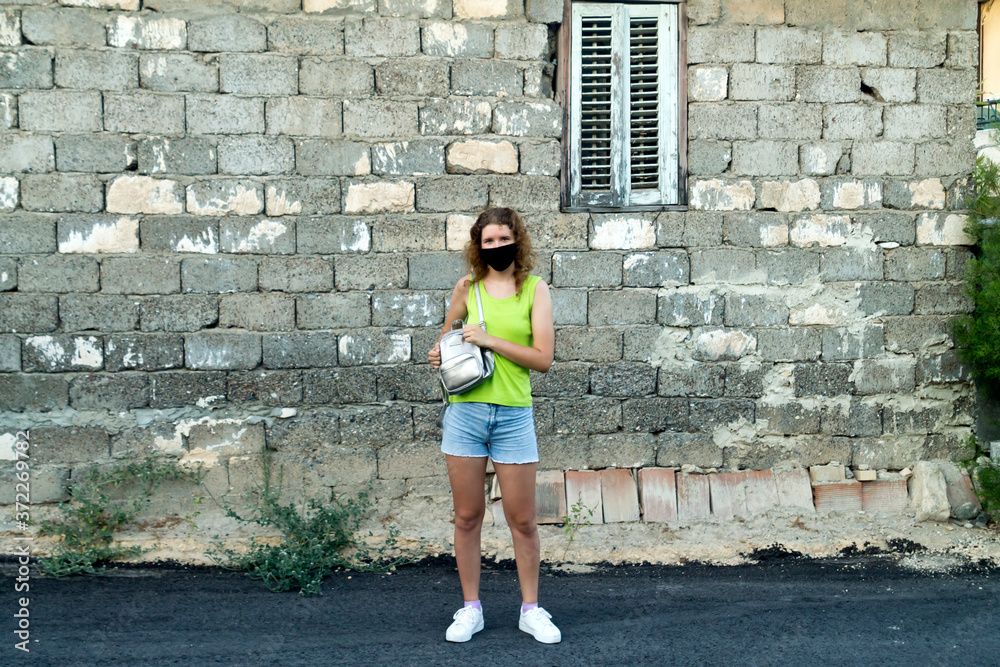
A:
[464,365]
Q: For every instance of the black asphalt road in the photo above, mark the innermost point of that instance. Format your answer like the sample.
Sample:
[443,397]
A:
[862,610]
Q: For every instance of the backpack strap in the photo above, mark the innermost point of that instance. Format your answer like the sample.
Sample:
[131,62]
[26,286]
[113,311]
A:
[479,307]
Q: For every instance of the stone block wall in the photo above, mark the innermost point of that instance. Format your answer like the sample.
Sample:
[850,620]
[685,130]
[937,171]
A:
[236,224]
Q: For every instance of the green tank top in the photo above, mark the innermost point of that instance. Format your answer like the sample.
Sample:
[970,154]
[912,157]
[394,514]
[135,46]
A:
[509,319]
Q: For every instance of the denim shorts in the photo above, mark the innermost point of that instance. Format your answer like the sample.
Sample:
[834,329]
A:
[505,434]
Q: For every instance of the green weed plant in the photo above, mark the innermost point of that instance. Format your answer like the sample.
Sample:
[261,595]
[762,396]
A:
[315,540]
[579,515]
[96,511]
[985,473]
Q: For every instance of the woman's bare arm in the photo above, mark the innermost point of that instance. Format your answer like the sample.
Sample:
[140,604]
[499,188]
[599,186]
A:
[457,311]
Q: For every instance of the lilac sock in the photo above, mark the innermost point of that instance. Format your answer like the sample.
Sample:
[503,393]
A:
[528,606]
[474,603]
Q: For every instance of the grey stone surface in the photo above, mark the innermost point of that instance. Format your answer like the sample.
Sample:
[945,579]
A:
[313,349]
[143,352]
[722,44]
[457,40]
[633,306]
[26,68]
[408,158]
[256,155]
[59,111]
[58,273]
[178,313]
[335,76]
[450,117]
[144,113]
[333,311]
[388,37]
[63,26]
[127,275]
[584,344]
[257,312]
[306,35]
[486,77]
[436,270]
[258,74]
[332,235]
[379,118]
[294,274]
[221,351]
[57,193]
[178,72]
[227,32]
[97,312]
[828,84]
[425,77]
[302,196]
[224,114]
[215,275]
[187,155]
[76,69]
[27,233]
[102,153]
[304,116]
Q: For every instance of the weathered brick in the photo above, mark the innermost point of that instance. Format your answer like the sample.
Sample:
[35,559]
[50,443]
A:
[341,385]
[721,44]
[946,86]
[76,69]
[407,309]
[460,193]
[496,9]
[856,418]
[58,273]
[704,380]
[882,158]
[267,387]
[885,298]
[143,352]
[379,118]
[527,41]
[60,353]
[632,306]
[386,37]
[722,121]
[26,68]
[373,346]
[761,229]
[436,270]
[219,274]
[144,113]
[583,344]
[180,234]
[101,153]
[69,444]
[820,159]
[761,82]
[306,196]
[854,48]
[62,192]
[97,233]
[80,312]
[257,312]
[21,393]
[221,197]
[306,36]
[455,117]
[941,298]
[178,313]
[938,158]
[589,415]
[258,74]
[765,158]
[176,389]
[666,268]
[595,269]
[304,116]
[828,84]
[706,414]
[312,349]
[917,49]
[187,155]
[793,344]
[147,32]
[790,121]
[408,383]
[457,40]
[855,342]
[305,274]
[256,155]
[332,235]
[904,264]
[486,77]
[224,114]
[823,379]
[333,311]
[885,376]
[891,85]
[221,351]
[63,27]
[340,76]
[889,226]
[27,233]
[228,32]
[838,264]
[60,111]
[788,45]
[423,77]
[852,121]
[408,158]
[732,265]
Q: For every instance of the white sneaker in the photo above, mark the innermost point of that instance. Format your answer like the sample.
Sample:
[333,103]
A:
[468,621]
[537,624]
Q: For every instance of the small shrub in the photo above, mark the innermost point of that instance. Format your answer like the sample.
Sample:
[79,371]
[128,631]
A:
[574,520]
[985,474]
[93,515]
[315,540]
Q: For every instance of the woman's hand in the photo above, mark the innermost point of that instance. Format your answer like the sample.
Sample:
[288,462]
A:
[434,356]
[473,334]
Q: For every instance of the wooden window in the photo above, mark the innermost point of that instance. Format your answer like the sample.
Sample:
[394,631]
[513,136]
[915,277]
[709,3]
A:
[624,94]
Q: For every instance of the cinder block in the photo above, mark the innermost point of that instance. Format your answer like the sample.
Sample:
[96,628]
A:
[486,78]
[619,495]
[306,36]
[827,473]
[728,491]
[60,111]
[215,275]
[168,72]
[144,113]
[371,346]
[658,490]
[838,497]
[794,489]
[721,44]
[323,157]
[102,153]
[258,74]
[584,487]
[455,117]
[256,155]
[222,351]
[147,32]
[188,155]
[304,117]
[224,114]
[26,68]
[63,27]
[457,40]
[143,352]
[884,496]
[339,77]
[550,496]
[257,312]
[228,32]
[381,37]
[99,70]
[693,497]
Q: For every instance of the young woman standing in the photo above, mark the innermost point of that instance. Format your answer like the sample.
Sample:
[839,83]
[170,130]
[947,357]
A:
[495,419]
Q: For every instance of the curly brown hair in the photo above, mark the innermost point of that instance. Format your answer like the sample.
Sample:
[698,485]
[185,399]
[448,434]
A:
[507,217]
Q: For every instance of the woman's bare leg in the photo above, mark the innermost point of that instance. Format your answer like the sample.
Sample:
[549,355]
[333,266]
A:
[517,488]
[468,491]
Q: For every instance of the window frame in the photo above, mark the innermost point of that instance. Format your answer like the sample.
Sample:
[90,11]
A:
[569,98]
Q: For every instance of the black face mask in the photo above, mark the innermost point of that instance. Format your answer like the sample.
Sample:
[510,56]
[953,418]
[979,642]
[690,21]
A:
[499,258]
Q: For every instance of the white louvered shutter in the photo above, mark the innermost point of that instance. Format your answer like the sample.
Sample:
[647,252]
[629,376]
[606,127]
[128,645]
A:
[623,123]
